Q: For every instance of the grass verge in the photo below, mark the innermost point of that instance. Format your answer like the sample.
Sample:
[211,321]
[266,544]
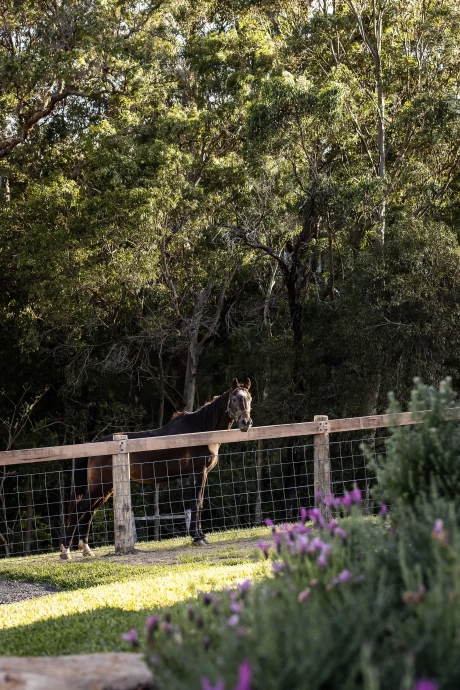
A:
[104,597]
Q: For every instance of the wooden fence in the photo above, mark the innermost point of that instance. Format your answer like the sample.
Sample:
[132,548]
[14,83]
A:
[121,447]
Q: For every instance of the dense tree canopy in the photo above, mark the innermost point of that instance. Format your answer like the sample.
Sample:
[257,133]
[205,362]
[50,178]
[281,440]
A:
[196,190]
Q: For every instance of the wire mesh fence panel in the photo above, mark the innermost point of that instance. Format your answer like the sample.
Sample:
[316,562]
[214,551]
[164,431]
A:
[246,486]
[351,464]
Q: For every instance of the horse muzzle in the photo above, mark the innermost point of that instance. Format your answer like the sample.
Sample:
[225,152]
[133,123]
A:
[245,424]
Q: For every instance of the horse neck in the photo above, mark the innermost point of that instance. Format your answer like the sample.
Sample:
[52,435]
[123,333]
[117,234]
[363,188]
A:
[220,418]
[225,422]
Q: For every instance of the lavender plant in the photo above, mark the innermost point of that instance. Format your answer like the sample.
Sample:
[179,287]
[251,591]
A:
[355,603]
[422,460]
[352,604]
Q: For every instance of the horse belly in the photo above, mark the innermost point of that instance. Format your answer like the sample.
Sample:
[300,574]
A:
[157,467]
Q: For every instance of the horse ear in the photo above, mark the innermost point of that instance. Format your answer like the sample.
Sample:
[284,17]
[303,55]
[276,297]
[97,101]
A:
[247,384]
[234,384]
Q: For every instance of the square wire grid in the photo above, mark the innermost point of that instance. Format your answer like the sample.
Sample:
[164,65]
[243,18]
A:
[245,487]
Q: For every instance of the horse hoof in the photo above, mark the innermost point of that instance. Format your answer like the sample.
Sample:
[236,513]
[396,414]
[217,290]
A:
[87,553]
[198,542]
[205,541]
[65,554]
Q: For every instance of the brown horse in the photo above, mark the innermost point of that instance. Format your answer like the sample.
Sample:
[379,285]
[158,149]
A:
[93,476]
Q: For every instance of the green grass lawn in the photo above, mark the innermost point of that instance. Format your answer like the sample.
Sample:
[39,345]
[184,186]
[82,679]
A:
[101,598]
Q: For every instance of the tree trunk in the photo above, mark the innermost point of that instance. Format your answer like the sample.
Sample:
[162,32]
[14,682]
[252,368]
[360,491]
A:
[381,211]
[161,388]
[193,356]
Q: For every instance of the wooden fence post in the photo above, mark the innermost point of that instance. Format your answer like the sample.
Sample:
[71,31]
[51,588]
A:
[322,463]
[122,512]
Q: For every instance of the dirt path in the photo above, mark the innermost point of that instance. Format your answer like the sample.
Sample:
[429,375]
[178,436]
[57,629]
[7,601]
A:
[217,550]
[11,591]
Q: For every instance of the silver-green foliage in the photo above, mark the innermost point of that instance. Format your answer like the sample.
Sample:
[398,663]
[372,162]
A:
[423,459]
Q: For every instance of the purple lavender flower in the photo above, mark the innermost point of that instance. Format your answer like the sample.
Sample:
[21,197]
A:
[344,576]
[347,500]
[425,684]
[265,548]
[244,676]
[303,515]
[301,529]
[439,534]
[302,544]
[332,526]
[383,509]
[329,500]
[322,561]
[315,545]
[235,608]
[316,517]
[269,522]
[356,495]
[207,685]
[233,620]
[341,533]
[277,567]
[245,585]
[438,527]
[131,637]
[303,596]
[151,624]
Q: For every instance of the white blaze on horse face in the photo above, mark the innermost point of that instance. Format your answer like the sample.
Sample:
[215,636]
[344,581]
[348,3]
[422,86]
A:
[242,408]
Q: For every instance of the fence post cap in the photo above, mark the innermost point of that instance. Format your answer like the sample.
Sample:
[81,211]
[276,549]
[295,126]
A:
[121,438]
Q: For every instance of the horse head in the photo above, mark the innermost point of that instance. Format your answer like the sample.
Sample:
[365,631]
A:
[239,404]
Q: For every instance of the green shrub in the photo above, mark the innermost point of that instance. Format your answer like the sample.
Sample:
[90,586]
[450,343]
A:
[423,460]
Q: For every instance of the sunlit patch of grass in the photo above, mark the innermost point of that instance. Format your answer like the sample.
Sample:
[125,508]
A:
[102,598]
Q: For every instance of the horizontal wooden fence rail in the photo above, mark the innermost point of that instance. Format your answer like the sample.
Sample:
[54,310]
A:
[258,433]
[121,447]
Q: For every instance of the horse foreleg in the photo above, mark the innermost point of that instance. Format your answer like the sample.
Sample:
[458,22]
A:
[70,532]
[85,509]
[85,525]
[196,505]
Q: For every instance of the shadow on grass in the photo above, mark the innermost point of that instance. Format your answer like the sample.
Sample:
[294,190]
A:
[89,632]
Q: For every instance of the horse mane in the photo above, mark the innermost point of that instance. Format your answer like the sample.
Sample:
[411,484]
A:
[207,413]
